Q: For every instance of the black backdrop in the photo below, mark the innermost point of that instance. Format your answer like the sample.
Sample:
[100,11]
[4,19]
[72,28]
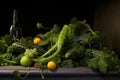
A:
[29,13]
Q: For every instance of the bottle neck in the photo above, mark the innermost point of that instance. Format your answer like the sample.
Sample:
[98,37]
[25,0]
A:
[15,17]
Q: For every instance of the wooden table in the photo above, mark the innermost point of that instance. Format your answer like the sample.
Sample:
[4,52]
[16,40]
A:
[78,73]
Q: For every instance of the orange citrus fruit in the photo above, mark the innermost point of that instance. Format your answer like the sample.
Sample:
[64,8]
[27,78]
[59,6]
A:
[51,65]
[36,40]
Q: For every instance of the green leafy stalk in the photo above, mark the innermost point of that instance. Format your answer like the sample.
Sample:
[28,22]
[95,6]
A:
[91,30]
[49,51]
[9,61]
[57,47]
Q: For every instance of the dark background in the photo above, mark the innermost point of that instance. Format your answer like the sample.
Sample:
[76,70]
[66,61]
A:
[48,13]
[107,21]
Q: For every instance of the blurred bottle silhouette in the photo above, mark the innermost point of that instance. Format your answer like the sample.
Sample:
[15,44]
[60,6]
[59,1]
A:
[15,29]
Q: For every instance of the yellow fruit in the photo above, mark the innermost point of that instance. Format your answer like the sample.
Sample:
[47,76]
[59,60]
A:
[36,41]
[51,65]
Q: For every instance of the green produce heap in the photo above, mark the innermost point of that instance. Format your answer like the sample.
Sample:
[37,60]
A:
[73,45]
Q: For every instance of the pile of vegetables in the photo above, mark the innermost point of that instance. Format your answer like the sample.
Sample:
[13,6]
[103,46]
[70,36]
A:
[73,45]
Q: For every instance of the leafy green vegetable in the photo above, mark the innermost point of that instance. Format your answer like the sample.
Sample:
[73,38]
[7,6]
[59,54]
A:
[102,65]
[76,52]
[101,60]
[57,47]
[4,61]
[49,38]
[75,44]
[54,30]
[5,41]
[67,64]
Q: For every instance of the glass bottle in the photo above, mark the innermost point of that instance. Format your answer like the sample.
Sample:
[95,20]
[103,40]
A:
[15,29]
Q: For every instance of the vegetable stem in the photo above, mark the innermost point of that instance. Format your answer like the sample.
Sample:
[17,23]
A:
[58,45]
[8,61]
[50,50]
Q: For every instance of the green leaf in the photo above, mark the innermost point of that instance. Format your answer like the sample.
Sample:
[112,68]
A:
[44,42]
[102,66]
[6,39]
[17,74]
[81,28]
[39,25]
[73,20]
[67,64]
[84,38]
[57,59]
[76,52]
[93,63]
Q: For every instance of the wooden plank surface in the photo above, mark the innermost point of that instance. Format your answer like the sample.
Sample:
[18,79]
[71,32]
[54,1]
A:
[37,70]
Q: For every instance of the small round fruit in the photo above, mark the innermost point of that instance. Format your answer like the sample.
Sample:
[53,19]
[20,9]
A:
[51,65]
[26,61]
[36,40]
